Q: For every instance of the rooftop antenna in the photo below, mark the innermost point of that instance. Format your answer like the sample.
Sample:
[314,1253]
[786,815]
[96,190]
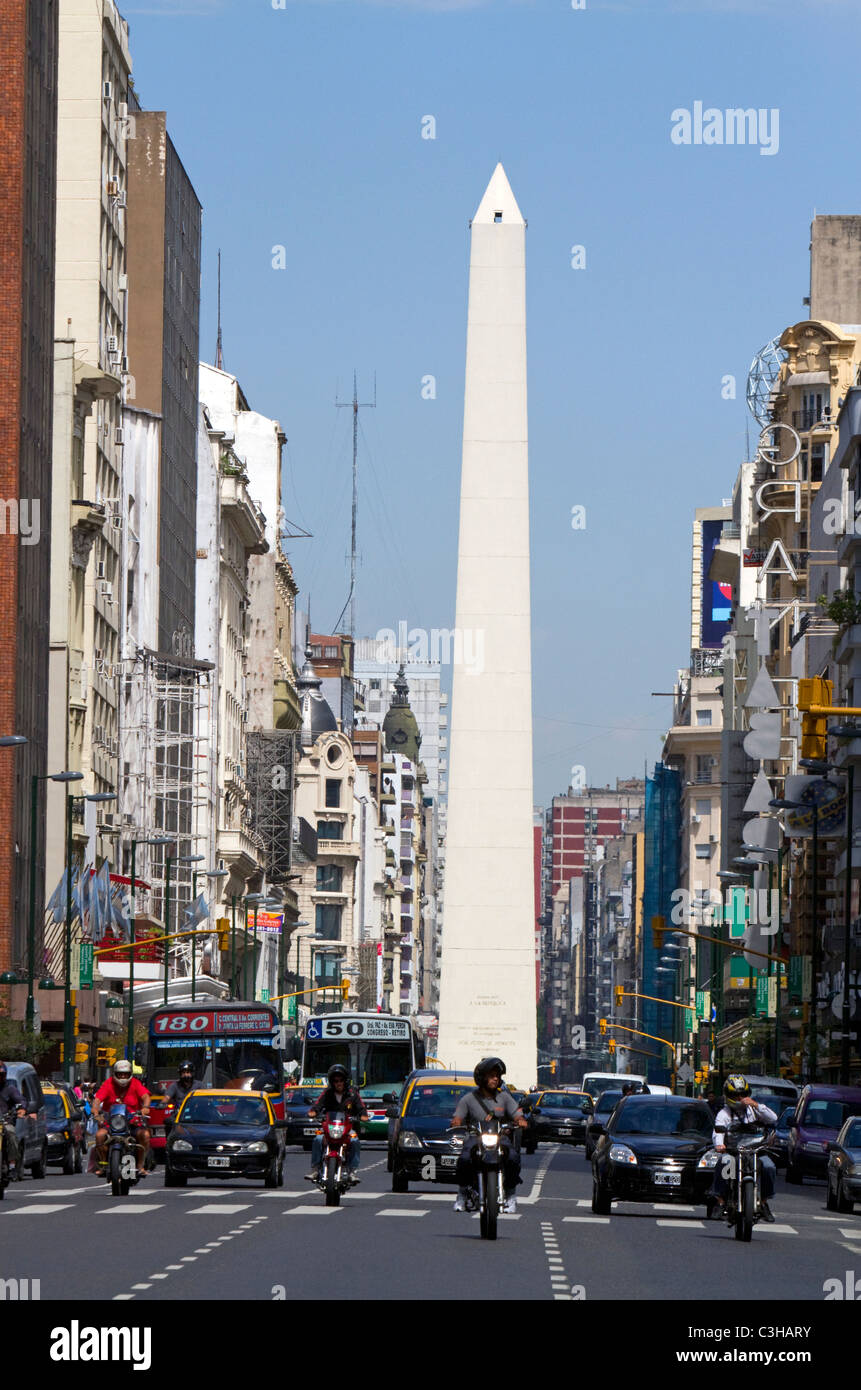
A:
[219,359]
[356,405]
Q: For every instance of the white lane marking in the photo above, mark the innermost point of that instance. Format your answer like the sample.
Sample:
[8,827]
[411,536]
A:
[58,1191]
[124,1297]
[188,1259]
[312,1211]
[777,1230]
[173,1266]
[217,1210]
[558,1279]
[123,1210]
[589,1220]
[400,1211]
[543,1166]
[134,1286]
[662,1206]
[822,1218]
[47,1210]
[366,1196]
[684,1225]
[303,1192]
[853,1249]
[850,1232]
[203,1250]
[158,1276]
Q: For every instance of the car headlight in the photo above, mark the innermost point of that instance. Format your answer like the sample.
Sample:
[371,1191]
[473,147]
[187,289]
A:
[620,1153]
[182,1145]
[408,1140]
[709,1159]
[813,1147]
[258,1147]
[489,1141]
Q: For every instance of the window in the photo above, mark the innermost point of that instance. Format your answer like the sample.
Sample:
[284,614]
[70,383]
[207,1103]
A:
[333,791]
[704,716]
[332,651]
[704,767]
[328,922]
[330,830]
[329,878]
[703,851]
[327,970]
[375,685]
[497,217]
[704,807]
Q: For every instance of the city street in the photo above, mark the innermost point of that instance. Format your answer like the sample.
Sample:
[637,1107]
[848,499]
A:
[215,1240]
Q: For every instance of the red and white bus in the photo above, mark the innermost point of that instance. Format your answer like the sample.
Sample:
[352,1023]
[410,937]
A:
[231,1046]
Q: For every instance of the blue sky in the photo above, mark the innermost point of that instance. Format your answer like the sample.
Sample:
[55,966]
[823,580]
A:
[301,127]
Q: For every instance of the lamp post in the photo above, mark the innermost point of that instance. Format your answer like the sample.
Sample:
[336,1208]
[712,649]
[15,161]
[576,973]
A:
[130,1036]
[35,779]
[847,732]
[68,1020]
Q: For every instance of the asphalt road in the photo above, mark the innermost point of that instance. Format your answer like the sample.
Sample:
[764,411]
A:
[220,1240]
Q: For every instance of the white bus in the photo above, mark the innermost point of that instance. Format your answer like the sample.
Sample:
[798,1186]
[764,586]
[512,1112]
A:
[378,1050]
[595,1083]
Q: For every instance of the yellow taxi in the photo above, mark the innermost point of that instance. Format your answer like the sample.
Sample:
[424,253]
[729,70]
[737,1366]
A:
[420,1147]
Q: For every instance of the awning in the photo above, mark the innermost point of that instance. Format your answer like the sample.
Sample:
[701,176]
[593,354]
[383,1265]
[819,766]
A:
[809,379]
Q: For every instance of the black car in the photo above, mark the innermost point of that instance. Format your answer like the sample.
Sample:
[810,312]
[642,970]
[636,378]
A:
[298,1129]
[654,1149]
[843,1174]
[778,1139]
[560,1117]
[225,1134]
[604,1107]
[420,1148]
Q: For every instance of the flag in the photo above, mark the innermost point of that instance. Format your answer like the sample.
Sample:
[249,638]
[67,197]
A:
[100,902]
[80,893]
[196,912]
[57,900]
[120,914]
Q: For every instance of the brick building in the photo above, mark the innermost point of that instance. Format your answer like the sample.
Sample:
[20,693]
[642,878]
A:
[28,153]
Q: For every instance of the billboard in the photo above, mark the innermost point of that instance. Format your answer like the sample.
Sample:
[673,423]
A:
[716,598]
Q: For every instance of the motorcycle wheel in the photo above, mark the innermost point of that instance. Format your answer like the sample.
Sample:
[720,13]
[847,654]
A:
[400,1181]
[490,1206]
[333,1191]
[744,1217]
[40,1168]
[79,1158]
[115,1159]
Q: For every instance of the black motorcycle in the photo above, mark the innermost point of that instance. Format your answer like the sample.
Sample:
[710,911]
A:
[488,1156]
[121,1148]
[744,1198]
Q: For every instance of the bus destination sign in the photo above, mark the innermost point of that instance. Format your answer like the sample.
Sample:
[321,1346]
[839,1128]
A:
[215,1021]
[345,1026]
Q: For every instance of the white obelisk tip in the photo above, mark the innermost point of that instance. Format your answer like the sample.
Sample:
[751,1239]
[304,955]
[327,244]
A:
[499,203]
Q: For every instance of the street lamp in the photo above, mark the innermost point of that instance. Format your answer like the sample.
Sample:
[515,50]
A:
[130,1036]
[35,779]
[847,732]
[68,1021]
[781,803]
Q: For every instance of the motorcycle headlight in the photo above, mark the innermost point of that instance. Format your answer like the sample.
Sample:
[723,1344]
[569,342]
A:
[620,1153]
[118,1124]
[408,1140]
[258,1147]
[336,1131]
[709,1159]
[489,1141]
[181,1146]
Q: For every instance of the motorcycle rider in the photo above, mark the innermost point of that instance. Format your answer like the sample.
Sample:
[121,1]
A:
[12,1106]
[123,1088]
[741,1112]
[488,1099]
[340,1096]
[178,1090]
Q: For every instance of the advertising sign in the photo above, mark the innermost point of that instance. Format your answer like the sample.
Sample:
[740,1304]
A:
[717,598]
[214,1021]
[85,965]
[266,921]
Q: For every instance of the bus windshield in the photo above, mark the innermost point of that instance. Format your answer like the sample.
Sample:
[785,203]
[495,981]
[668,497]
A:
[373,1064]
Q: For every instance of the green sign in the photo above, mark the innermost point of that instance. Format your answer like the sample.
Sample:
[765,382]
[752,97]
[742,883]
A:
[701,1003]
[86,965]
[689,1020]
[292,1010]
[762,994]
[796,979]
[736,912]
[264,996]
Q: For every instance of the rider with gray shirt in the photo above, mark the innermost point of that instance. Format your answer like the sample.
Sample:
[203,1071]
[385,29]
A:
[474,1106]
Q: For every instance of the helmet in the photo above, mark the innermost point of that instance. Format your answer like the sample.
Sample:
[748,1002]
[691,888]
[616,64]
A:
[485,1067]
[186,1066]
[122,1071]
[338,1070]
[736,1088]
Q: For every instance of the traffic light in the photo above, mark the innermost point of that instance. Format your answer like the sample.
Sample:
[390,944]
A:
[612,1046]
[659,926]
[345,989]
[814,727]
[619,992]
[101,1056]
[222,927]
[553,1067]
[602,1025]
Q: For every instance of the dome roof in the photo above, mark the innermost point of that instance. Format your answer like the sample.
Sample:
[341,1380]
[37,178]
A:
[400,729]
[317,716]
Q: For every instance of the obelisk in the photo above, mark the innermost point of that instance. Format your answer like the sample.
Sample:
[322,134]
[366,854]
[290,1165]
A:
[487,979]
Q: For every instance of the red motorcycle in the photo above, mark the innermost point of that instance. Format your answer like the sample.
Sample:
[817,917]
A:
[335,1171]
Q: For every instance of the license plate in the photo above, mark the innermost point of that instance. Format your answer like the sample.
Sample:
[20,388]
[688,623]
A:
[668,1179]
[564,1132]
[158,1131]
[448,1161]
[218,1163]
[309,1131]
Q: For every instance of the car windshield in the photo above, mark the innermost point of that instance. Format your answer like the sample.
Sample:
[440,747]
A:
[608,1102]
[223,1110]
[678,1121]
[775,1103]
[303,1098]
[785,1116]
[829,1114]
[853,1136]
[54,1107]
[427,1102]
[553,1100]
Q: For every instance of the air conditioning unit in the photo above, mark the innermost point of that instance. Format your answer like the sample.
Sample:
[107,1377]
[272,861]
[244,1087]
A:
[123,284]
[128,818]
[100,569]
[106,591]
[112,188]
[112,345]
[120,199]
[122,109]
[124,363]
[119,435]
[715,762]
[713,839]
[107,91]
[695,820]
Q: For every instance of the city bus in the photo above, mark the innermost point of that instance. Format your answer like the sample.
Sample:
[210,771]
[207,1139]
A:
[378,1050]
[231,1045]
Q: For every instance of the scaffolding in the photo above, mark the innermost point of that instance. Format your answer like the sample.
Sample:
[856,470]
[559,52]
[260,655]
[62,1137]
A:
[271,756]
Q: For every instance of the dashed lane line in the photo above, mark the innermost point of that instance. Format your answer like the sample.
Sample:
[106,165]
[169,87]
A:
[47,1210]
[185,1260]
[543,1166]
[400,1211]
[123,1210]
[558,1279]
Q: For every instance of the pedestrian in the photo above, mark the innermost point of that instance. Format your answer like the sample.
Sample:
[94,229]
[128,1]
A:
[712,1102]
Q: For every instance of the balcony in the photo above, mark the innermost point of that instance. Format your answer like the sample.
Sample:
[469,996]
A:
[337,849]
[238,850]
[805,420]
[244,515]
